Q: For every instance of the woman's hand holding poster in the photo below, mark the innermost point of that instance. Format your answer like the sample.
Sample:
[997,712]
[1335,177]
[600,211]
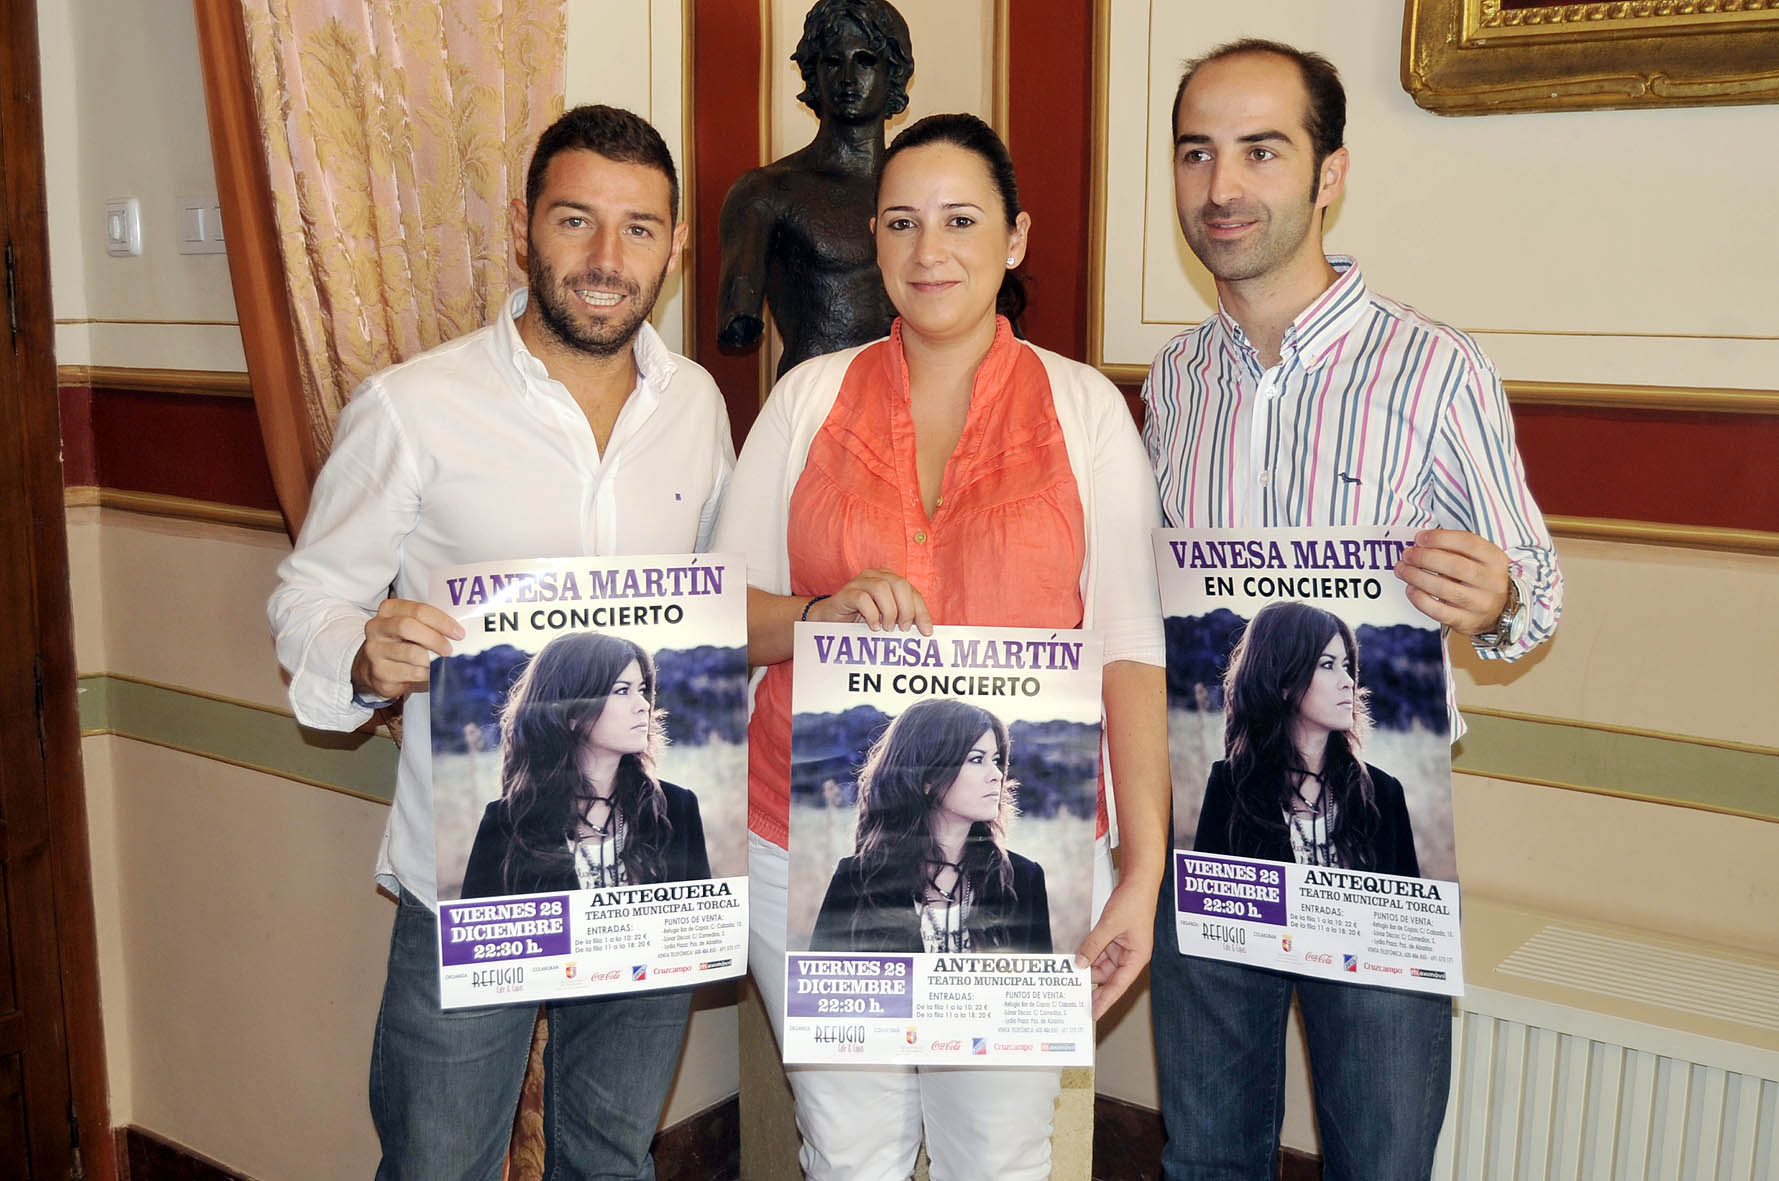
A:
[943,802]
[589,767]
[1310,742]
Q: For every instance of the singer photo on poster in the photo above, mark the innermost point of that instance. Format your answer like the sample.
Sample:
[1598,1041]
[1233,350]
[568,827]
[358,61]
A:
[1309,741]
[943,798]
[590,768]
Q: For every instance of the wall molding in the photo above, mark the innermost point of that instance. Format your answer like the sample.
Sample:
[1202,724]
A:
[1577,394]
[1748,541]
[148,1156]
[1675,399]
[183,508]
[159,381]
[1705,774]
[1647,766]
[1752,748]
[244,734]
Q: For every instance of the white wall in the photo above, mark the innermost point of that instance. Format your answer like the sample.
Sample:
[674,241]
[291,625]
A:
[636,54]
[123,103]
[1594,246]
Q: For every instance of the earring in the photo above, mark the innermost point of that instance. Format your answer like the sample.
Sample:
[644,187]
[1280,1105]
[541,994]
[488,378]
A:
[1009,260]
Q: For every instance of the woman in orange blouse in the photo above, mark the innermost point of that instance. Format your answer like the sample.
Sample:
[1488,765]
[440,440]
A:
[949,474]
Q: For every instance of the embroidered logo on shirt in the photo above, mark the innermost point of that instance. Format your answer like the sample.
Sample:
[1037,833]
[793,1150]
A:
[1346,479]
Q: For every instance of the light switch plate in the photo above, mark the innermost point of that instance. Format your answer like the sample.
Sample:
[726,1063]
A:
[123,227]
[200,225]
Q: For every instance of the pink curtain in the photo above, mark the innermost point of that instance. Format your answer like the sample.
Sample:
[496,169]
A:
[395,133]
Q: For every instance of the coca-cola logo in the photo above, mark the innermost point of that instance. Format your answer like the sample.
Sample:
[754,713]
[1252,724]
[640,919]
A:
[951,1046]
[1318,957]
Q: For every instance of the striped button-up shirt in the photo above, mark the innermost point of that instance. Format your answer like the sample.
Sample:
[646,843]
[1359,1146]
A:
[1374,415]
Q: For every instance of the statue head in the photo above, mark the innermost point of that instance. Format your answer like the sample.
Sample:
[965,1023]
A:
[884,32]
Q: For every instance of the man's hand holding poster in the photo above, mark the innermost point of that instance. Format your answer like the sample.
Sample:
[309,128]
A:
[943,799]
[1310,742]
[589,763]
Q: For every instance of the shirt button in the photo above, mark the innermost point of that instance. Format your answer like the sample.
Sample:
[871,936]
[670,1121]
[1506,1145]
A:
[1265,478]
[920,538]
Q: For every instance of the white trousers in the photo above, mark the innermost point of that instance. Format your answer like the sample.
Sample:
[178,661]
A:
[865,1123]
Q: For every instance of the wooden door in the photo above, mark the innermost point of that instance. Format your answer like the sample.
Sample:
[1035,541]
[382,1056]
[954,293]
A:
[47,979]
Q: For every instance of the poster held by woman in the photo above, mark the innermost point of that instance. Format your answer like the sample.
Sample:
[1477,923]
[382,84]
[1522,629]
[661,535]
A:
[1310,741]
[943,799]
[590,777]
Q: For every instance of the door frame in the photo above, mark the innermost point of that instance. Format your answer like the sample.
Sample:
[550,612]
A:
[22,170]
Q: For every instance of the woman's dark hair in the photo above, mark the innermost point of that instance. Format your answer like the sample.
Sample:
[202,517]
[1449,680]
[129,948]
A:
[885,32]
[972,135]
[905,775]
[1269,671]
[563,690]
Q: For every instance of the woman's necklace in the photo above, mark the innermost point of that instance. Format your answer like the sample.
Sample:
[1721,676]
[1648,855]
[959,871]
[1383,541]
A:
[939,867]
[1304,778]
[942,911]
[586,803]
[1309,823]
[596,847]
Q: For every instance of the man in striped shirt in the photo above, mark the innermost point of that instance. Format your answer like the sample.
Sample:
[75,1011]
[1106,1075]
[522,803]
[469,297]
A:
[1309,400]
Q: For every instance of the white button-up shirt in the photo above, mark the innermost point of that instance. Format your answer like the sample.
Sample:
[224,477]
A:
[473,453]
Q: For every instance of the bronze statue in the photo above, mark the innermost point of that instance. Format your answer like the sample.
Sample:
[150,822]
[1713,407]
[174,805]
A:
[796,233]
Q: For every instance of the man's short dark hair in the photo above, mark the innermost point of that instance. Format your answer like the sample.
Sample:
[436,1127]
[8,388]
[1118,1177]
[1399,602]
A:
[1325,116]
[885,32]
[614,133]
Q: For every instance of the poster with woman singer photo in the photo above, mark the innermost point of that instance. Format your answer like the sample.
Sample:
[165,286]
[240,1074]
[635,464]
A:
[589,766]
[943,802]
[1310,743]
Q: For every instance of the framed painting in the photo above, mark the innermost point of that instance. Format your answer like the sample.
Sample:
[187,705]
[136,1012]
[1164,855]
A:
[1481,57]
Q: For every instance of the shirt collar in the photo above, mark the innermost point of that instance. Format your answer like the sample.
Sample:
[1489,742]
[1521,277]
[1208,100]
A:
[1311,337]
[655,363]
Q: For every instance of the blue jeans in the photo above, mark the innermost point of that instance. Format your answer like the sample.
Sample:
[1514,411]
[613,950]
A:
[1380,1063]
[445,1083]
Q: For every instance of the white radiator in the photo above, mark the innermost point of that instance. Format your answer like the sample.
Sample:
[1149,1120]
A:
[1544,1090]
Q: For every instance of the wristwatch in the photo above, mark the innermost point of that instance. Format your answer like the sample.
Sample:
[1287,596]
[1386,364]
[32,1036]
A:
[1512,624]
[363,702]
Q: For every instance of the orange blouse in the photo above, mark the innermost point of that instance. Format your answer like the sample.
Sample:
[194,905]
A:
[1003,548]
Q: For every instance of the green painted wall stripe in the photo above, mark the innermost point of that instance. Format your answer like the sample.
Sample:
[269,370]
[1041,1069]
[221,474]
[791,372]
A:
[1668,769]
[363,765]
[1510,748]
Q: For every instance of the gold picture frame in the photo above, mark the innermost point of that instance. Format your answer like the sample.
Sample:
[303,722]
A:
[1480,57]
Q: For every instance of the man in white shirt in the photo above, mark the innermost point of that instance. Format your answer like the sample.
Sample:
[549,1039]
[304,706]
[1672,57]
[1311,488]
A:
[565,427]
